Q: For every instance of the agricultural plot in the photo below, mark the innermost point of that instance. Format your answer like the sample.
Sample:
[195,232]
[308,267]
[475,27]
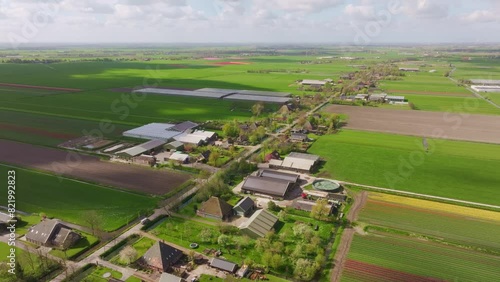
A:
[469,105]
[49,130]
[386,257]
[89,168]
[425,83]
[71,200]
[477,128]
[447,169]
[459,225]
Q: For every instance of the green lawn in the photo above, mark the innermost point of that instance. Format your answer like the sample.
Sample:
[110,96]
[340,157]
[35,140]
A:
[420,258]
[449,169]
[431,83]
[470,104]
[71,200]
[81,246]
[31,264]
[141,245]
[97,274]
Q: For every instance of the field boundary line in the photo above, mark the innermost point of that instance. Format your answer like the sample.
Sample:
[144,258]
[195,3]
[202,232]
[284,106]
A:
[423,196]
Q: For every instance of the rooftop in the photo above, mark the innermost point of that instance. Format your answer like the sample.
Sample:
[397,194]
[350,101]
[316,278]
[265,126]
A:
[260,222]
[266,185]
[144,147]
[223,265]
[215,206]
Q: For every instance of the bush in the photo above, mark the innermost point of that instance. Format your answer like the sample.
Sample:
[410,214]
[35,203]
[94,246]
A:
[118,245]
[153,222]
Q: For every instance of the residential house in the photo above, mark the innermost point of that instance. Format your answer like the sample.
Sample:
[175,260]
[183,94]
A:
[245,207]
[167,277]
[52,233]
[161,257]
[298,137]
[215,208]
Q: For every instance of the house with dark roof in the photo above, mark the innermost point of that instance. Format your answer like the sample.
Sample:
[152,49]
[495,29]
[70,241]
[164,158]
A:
[259,224]
[52,233]
[245,207]
[184,126]
[215,208]
[223,265]
[298,137]
[161,257]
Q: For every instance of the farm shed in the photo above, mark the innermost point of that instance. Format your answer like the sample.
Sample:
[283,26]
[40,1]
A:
[313,82]
[175,146]
[296,162]
[275,188]
[215,208]
[185,126]
[196,138]
[308,205]
[223,265]
[175,92]
[298,137]
[52,233]
[161,131]
[179,157]
[161,256]
[483,82]
[244,207]
[147,147]
[377,97]
[167,277]
[485,88]
[410,69]
[258,98]
[395,99]
[290,177]
[259,224]
[360,96]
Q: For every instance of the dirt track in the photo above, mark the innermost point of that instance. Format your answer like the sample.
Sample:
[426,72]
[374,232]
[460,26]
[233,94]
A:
[90,168]
[477,128]
[346,239]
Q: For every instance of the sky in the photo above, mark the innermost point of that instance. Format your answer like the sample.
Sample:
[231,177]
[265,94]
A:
[360,22]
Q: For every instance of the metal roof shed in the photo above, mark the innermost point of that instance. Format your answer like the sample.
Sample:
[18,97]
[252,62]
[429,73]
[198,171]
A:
[259,224]
[223,265]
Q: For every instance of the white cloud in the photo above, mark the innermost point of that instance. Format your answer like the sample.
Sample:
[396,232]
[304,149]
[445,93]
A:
[481,16]
[426,9]
[305,6]
[363,12]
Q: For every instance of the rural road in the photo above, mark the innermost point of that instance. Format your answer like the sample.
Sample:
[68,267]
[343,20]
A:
[347,236]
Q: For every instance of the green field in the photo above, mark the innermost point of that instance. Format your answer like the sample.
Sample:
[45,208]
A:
[449,169]
[432,83]
[71,200]
[414,256]
[462,226]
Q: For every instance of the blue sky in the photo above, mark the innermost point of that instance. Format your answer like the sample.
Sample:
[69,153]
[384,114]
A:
[244,21]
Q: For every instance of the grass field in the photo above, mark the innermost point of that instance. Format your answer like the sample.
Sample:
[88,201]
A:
[393,256]
[425,82]
[81,246]
[449,169]
[33,270]
[471,105]
[71,200]
[459,225]
[98,272]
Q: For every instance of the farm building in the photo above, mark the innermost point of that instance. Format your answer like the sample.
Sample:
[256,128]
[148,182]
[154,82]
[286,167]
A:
[144,148]
[144,160]
[296,162]
[161,257]
[196,138]
[395,99]
[313,82]
[215,208]
[179,157]
[410,69]
[377,97]
[270,183]
[223,265]
[174,146]
[361,97]
[298,137]
[163,131]
[245,207]
[52,233]
[305,205]
[485,82]
[485,88]
[167,277]
[259,224]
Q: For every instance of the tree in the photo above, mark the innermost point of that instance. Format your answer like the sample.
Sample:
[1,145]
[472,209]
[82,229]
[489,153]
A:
[223,240]
[266,258]
[231,129]
[94,221]
[214,156]
[277,261]
[321,210]
[282,215]
[128,255]
[305,269]
[257,109]
[272,206]
[206,235]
